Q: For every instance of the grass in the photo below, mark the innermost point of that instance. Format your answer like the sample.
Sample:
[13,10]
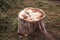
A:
[8,19]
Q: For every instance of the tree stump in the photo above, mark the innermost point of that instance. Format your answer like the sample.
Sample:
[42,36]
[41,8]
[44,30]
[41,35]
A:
[31,20]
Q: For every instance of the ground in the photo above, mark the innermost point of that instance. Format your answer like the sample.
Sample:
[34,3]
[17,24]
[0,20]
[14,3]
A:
[9,24]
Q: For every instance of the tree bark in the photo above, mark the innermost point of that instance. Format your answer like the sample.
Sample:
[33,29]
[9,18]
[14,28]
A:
[26,28]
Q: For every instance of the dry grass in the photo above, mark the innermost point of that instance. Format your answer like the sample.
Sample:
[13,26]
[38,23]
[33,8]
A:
[8,19]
